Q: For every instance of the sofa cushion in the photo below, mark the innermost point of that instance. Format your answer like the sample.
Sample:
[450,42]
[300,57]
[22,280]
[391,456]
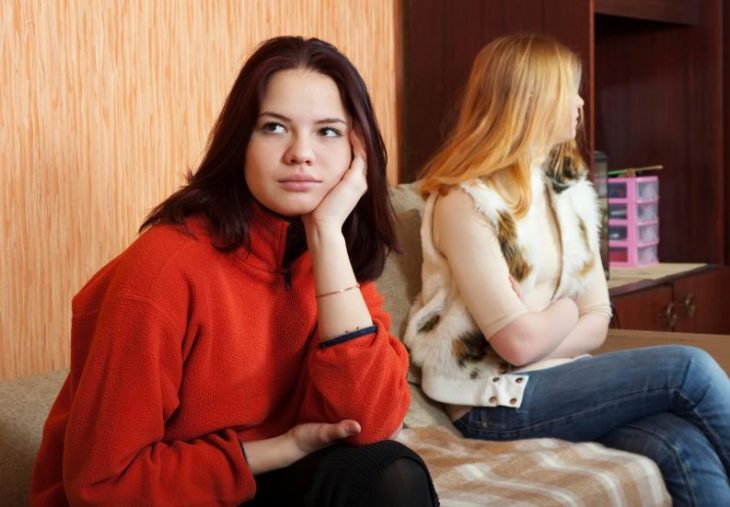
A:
[535,472]
[399,284]
[23,411]
[400,281]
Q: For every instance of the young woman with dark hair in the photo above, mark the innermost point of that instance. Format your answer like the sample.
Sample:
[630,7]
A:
[237,351]
[218,189]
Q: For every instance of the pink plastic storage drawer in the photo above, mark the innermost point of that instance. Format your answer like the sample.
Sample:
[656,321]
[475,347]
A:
[624,255]
[633,221]
[640,188]
[636,211]
[641,234]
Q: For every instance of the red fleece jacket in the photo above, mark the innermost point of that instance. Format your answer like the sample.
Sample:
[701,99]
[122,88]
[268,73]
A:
[179,350]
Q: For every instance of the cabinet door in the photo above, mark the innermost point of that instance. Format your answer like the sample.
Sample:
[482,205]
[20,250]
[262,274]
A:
[702,302]
[650,309]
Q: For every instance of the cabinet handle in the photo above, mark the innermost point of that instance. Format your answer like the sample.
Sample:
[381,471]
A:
[689,306]
[669,315]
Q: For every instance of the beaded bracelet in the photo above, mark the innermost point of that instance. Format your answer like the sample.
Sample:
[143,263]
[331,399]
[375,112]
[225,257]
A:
[339,291]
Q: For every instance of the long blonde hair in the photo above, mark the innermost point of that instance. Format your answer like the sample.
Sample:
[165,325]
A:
[520,89]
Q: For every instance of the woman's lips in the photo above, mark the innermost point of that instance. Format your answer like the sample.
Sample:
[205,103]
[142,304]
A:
[298,183]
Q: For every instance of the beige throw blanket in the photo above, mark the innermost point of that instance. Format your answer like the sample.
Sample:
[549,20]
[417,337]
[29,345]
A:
[532,473]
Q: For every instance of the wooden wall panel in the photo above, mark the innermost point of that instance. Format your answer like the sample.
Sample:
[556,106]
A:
[726,120]
[103,106]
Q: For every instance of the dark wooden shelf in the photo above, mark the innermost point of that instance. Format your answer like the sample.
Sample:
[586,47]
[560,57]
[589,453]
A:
[668,11]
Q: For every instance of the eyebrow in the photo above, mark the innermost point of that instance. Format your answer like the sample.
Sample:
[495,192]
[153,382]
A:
[287,119]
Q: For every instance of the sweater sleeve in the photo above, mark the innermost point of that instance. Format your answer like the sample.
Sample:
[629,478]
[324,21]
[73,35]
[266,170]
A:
[115,449]
[362,379]
[594,299]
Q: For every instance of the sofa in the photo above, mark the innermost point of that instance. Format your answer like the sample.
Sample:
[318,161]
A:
[536,472]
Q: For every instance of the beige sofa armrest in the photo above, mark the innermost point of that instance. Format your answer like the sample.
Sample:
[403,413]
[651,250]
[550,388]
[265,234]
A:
[23,411]
[717,345]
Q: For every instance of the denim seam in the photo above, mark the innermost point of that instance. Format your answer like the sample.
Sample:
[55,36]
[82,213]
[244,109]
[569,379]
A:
[706,429]
[688,477]
[700,421]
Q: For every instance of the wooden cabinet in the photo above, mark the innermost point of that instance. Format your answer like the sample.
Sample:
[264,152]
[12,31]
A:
[697,302]
[702,303]
[644,309]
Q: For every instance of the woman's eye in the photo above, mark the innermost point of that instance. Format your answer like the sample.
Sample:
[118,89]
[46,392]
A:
[273,128]
[330,132]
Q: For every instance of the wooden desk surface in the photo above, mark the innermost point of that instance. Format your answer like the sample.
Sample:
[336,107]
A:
[624,280]
[718,345]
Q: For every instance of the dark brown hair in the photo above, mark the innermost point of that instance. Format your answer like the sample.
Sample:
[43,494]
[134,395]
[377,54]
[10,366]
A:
[217,190]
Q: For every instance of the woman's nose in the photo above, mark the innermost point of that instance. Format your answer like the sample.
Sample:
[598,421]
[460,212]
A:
[300,151]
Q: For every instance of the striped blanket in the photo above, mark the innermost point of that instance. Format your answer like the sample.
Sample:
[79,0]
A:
[532,473]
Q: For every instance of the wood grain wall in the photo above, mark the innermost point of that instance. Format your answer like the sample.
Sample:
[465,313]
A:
[103,105]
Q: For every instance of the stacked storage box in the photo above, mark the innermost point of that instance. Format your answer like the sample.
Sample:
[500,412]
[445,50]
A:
[633,221]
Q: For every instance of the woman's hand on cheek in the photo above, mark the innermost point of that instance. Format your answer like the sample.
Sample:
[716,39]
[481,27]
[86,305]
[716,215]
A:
[339,202]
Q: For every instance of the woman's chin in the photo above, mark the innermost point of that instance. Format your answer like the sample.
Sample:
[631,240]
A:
[294,211]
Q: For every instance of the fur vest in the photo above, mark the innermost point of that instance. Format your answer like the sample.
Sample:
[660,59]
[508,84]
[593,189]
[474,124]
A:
[457,364]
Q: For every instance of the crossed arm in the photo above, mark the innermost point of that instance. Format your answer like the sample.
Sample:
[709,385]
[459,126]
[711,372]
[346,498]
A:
[565,328]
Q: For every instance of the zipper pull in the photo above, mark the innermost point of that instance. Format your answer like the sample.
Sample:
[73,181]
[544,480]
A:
[287,278]
[294,246]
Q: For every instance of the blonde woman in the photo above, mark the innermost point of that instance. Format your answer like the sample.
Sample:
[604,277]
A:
[514,296]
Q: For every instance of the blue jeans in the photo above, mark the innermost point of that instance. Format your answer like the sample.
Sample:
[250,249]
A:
[669,403]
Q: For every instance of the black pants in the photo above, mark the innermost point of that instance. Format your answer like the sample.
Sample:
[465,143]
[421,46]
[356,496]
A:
[382,474]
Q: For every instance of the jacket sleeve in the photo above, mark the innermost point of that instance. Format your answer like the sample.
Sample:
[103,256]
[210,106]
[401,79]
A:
[116,451]
[363,378]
